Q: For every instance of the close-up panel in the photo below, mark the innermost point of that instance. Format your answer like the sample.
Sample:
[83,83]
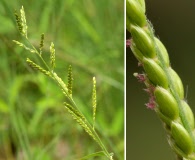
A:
[160,86]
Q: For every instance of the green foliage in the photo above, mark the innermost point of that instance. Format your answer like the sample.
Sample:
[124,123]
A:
[83,38]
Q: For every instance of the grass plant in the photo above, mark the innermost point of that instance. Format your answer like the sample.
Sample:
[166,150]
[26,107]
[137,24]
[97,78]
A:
[35,122]
[70,104]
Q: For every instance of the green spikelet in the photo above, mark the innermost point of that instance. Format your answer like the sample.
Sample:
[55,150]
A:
[155,73]
[135,12]
[170,108]
[182,138]
[143,41]
[41,43]
[23,22]
[37,67]
[94,101]
[52,55]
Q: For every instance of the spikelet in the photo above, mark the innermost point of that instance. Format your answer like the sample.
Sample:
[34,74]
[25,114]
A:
[70,80]
[135,12]
[52,55]
[37,67]
[94,101]
[41,43]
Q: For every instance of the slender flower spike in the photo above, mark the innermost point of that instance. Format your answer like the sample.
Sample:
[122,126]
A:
[41,43]
[18,21]
[52,55]
[70,80]
[23,22]
[37,67]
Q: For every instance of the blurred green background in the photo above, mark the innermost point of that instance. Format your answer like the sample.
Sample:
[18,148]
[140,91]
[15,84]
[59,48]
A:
[87,34]
[174,23]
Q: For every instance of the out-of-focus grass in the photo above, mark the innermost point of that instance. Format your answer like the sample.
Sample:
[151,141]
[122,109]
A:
[88,35]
